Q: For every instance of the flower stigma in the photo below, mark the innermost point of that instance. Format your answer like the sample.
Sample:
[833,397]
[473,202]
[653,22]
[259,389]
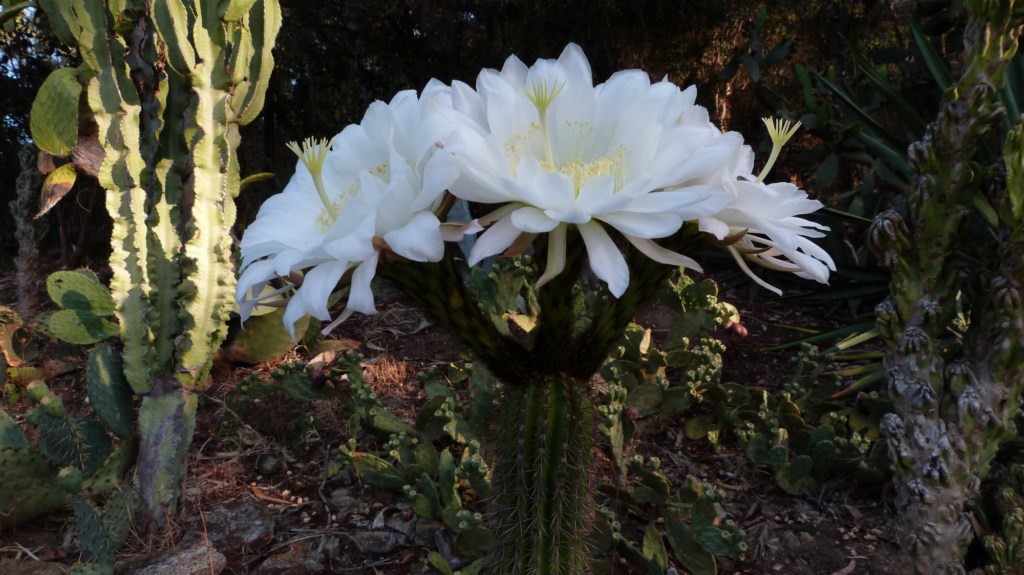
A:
[780,132]
[312,153]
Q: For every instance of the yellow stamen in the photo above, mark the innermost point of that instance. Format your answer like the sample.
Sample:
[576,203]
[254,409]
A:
[581,171]
[780,131]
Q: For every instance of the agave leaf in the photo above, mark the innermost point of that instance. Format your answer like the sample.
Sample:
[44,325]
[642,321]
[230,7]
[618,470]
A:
[861,326]
[892,157]
[869,121]
[932,59]
[911,116]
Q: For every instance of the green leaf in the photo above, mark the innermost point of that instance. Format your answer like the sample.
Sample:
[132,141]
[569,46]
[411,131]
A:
[54,117]
[56,185]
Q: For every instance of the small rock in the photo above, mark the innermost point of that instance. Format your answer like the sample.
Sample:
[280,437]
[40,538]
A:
[375,542]
[269,465]
[378,521]
[238,528]
[298,560]
[193,557]
[405,527]
[790,539]
[15,567]
[806,537]
[344,504]
[331,548]
[423,535]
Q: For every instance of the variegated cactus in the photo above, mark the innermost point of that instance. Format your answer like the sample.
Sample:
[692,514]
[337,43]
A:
[168,83]
[955,396]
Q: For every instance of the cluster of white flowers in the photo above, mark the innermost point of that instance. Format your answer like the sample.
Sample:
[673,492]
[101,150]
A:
[554,153]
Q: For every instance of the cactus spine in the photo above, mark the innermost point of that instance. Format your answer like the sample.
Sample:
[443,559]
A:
[168,83]
[954,401]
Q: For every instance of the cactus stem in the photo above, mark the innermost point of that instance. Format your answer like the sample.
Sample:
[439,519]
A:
[542,475]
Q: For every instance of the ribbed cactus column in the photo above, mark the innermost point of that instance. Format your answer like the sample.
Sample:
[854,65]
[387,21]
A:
[168,83]
[542,476]
[954,398]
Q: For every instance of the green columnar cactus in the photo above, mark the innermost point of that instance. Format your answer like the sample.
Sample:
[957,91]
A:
[545,451]
[28,232]
[954,398]
[168,83]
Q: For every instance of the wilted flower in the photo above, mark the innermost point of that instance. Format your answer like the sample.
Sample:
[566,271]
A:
[560,153]
[373,188]
[763,225]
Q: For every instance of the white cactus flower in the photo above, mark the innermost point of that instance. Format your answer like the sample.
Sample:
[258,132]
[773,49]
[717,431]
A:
[374,187]
[561,154]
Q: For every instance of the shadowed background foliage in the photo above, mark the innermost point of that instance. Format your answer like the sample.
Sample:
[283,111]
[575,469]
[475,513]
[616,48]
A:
[335,57]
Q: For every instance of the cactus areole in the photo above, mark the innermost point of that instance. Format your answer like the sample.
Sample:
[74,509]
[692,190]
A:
[615,180]
[168,83]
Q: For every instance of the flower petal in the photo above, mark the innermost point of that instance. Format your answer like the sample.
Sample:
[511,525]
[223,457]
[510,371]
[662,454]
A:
[605,258]
[644,225]
[312,297]
[556,255]
[663,255]
[360,297]
[495,240]
[420,240]
[533,220]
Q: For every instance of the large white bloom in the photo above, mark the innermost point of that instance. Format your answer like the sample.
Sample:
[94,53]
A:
[559,152]
[763,225]
[375,189]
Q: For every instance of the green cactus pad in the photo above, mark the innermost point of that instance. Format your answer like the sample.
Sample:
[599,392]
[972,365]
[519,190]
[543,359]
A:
[117,514]
[40,393]
[263,338]
[109,391]
[54,117]
[80,327]
[78,290]
[10,434]
[109,474]
[77,440]
[26,487]
[92,533]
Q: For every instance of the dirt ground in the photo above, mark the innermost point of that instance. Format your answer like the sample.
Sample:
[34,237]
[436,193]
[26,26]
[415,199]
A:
[836,531]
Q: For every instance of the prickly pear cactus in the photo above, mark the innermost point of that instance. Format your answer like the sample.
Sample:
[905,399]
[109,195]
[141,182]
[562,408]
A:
[74,455]
[954,398]
[168,84]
